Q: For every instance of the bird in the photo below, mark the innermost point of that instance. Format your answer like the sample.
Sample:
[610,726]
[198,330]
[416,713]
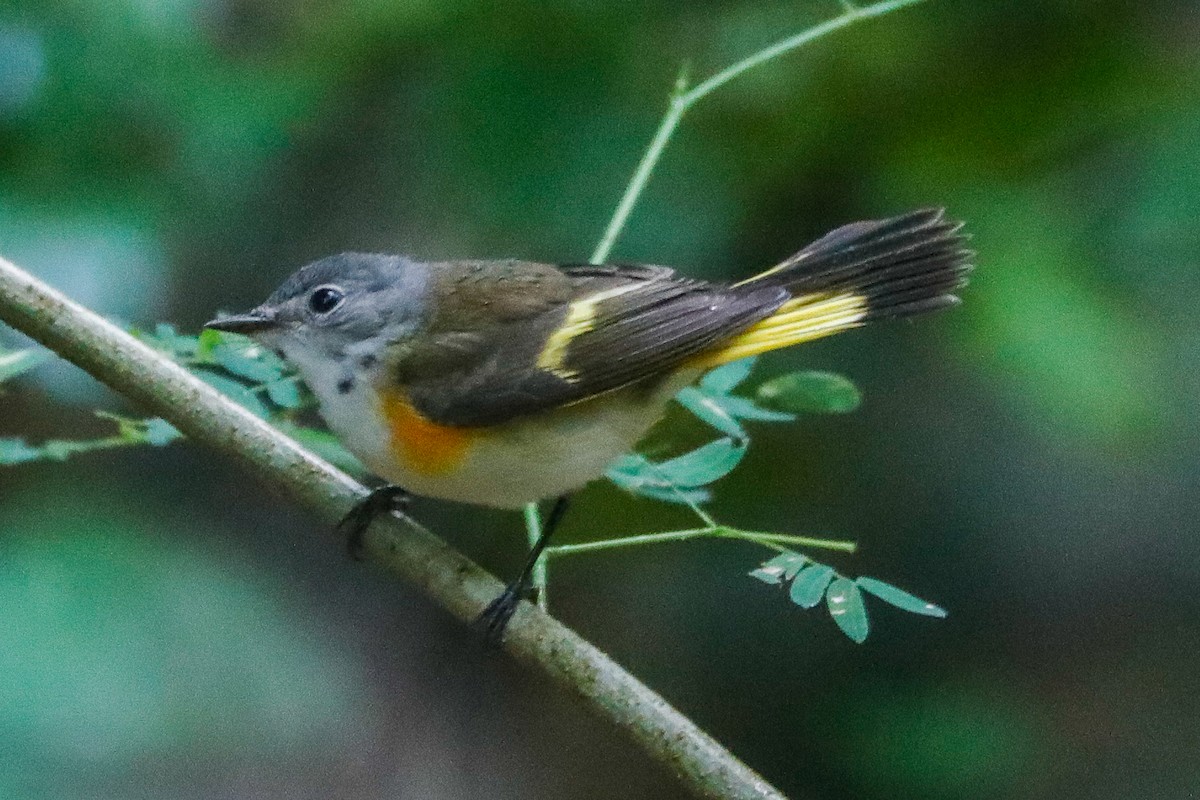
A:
[506,382]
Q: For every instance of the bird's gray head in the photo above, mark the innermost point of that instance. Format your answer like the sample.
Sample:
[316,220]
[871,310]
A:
[344,306]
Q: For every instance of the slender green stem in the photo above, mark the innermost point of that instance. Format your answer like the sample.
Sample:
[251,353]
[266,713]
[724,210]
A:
[841,545]
[773,540]
[645,167]
[629,541]
[540,577]
[682,99]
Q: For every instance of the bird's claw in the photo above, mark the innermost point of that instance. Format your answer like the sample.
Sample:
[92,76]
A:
[382,500]
[494,619]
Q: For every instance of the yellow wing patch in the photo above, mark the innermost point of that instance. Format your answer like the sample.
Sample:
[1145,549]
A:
[801,319]
[581,318]
[421,445]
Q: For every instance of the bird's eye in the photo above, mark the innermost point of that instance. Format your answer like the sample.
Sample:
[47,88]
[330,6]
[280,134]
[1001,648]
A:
[325,299]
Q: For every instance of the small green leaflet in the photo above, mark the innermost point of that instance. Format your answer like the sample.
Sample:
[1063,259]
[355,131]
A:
[724,379]
[285,393]
[712,402]
[249,361]
[159,432]
[810,392]
[900,598]
[15,362]
[809,586]
[680,479]
[167,339]
[703,465]
[710,410]
[784,565]
[637,474]
[845,604]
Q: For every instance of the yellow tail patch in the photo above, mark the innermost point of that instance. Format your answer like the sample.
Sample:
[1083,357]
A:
[421,445]
[801,319]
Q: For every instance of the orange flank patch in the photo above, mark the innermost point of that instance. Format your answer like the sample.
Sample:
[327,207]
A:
[421,445]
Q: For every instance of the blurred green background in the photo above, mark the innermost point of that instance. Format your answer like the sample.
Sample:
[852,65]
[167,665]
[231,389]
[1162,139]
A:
[1029,461]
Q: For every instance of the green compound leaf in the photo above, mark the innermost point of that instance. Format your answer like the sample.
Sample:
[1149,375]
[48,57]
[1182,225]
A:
[781,567]
[811,392]
[846,607]
[723,379]
[14,363]
[900,598]
[809,585]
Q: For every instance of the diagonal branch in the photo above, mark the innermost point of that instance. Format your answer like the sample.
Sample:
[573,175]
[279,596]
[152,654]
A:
[396,543]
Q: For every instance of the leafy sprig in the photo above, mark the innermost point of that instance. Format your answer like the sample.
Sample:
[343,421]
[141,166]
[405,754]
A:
[686,478]
[808,582]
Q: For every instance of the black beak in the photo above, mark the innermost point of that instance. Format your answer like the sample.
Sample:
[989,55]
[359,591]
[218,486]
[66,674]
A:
[255,321]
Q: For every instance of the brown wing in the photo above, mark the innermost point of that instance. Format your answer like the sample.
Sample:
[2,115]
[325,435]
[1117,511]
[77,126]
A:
[587,331]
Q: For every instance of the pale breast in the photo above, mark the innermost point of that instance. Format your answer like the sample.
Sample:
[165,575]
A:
[541,456]
[506,466]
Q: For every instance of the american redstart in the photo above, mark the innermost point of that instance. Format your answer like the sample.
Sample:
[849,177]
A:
[501,383]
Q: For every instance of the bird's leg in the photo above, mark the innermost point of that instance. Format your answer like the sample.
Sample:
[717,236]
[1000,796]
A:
[495,617]
[381,500]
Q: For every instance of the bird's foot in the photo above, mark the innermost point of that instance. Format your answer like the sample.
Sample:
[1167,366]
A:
[383,500]
[495,618]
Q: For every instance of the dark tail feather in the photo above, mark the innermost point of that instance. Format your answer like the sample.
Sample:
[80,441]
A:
[903,265]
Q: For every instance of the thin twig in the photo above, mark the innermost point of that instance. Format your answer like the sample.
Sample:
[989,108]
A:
[395,543]
[682,99]
[645,167]
[715,532]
